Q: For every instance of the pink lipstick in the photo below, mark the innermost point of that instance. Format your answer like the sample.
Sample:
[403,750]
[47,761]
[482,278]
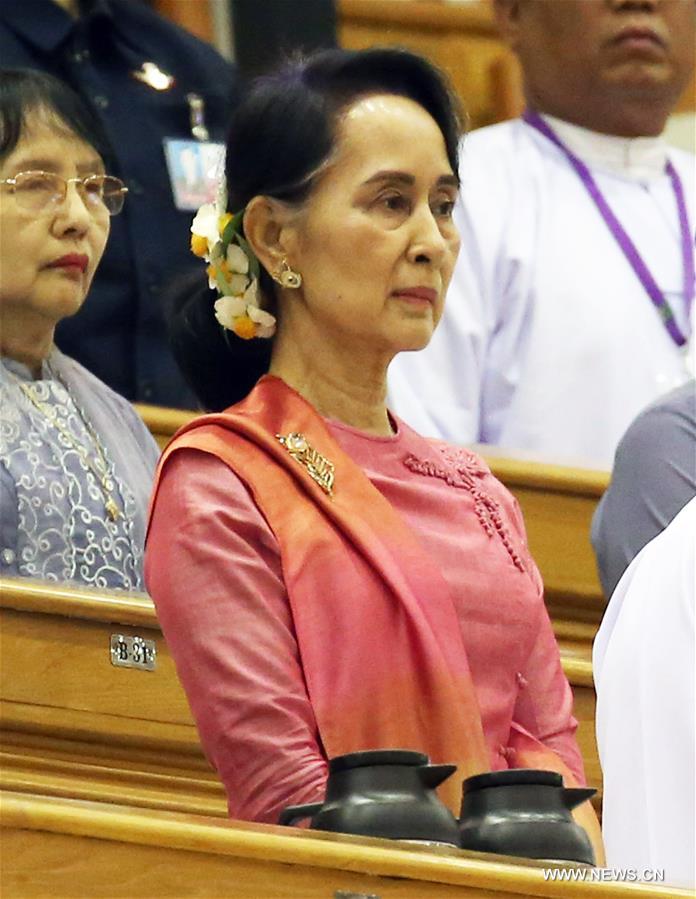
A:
[71,261]
[427,294]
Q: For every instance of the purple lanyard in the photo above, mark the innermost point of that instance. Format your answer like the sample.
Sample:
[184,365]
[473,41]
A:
[624,241]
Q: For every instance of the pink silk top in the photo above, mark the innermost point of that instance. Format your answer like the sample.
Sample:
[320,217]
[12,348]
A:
[213,568]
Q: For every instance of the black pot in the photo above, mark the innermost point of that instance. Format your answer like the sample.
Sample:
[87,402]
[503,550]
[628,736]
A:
[526,813]
[383,793]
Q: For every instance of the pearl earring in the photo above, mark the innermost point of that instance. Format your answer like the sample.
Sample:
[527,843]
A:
[286,277]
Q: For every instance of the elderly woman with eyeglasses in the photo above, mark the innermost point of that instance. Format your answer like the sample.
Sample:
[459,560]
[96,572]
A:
[76,462]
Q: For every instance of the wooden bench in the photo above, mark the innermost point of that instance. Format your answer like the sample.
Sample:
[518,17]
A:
[558,504]
[75,725]
[67,848]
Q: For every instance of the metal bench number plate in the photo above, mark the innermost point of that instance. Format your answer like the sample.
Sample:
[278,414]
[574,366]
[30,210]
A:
[133,652]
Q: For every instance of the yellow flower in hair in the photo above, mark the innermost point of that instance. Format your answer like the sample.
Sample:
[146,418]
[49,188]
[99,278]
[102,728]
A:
[224,220]
[205,232]
[244,327]
[233,270]
[199,245]
[228,310]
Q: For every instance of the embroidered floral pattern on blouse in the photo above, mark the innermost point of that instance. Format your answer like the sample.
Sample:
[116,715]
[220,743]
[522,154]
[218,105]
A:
[461,468]
[63,533]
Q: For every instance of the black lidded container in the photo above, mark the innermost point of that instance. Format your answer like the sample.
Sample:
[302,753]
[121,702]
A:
[386,793]
[524,812]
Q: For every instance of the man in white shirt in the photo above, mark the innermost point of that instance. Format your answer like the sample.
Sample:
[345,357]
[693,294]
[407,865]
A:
[554,337]
[644,668]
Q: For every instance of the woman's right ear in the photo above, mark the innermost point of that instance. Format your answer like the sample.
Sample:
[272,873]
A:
[265,223]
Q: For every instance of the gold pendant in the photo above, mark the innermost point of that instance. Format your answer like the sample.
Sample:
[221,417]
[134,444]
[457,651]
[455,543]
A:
[319,468]
[112,510]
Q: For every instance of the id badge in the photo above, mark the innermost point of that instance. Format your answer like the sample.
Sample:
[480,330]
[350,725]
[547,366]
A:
[195,169]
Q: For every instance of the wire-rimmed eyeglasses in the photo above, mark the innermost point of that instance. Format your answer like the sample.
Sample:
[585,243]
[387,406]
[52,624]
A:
[37,191]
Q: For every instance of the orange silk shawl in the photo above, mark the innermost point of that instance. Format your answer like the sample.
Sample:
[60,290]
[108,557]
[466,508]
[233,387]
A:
[378,636]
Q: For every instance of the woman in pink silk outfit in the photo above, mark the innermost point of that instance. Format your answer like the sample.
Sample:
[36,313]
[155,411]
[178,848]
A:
[327,579]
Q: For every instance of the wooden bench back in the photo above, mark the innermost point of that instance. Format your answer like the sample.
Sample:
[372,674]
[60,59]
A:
[67,848]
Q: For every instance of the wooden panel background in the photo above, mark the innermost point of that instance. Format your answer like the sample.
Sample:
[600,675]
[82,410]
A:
[461,38]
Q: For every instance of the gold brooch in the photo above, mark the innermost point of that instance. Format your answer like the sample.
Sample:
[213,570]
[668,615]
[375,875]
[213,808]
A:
[319,468]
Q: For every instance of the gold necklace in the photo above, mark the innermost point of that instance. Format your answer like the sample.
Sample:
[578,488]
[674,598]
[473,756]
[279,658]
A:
[103,479]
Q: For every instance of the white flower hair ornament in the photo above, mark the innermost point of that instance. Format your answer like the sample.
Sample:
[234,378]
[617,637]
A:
[233,270]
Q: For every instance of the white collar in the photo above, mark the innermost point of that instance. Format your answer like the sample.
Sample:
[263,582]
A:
[636,158]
